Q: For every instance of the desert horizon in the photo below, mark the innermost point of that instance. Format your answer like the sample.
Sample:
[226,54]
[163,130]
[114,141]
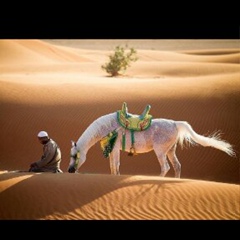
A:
[59,86]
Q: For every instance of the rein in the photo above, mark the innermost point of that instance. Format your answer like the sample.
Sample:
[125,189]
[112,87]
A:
[77,158]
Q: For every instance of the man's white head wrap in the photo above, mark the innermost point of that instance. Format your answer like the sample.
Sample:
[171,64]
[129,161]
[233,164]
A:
[42,134]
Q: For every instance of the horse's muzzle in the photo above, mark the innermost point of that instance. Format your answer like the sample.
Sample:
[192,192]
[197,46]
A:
[71,170]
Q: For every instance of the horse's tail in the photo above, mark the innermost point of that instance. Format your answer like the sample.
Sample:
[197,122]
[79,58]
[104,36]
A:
[187,134]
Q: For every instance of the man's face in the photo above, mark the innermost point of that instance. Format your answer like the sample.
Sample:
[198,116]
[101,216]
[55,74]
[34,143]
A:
[43,140]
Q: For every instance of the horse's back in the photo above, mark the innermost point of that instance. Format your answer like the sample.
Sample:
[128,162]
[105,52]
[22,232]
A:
[164,125]
[163,129]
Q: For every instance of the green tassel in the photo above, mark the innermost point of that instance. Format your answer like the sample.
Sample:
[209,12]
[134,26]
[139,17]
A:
[132,149]
[123,141]
[132,137]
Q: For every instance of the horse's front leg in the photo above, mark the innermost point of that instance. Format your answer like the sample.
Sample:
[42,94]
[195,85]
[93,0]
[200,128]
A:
[115,162]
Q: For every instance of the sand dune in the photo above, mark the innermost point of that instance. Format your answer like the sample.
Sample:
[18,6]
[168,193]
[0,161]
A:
[149,44]
[35,52]
[106,197]
[62,89]
[213,51]
[218,56]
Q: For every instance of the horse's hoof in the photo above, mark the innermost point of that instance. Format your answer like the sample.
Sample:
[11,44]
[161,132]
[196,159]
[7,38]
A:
[71,170]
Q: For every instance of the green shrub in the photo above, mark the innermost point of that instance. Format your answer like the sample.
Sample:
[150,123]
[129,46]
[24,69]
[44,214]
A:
[120,61]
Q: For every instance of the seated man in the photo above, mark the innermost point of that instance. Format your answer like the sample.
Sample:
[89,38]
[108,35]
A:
[51,158]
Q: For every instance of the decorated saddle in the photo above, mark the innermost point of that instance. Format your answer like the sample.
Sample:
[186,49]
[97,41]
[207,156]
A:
[133,123]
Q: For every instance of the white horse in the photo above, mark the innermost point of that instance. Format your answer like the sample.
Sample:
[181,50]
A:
[162,137]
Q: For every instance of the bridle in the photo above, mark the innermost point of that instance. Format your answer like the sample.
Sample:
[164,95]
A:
[76,158]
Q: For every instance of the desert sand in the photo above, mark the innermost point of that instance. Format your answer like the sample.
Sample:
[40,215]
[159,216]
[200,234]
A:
[59,87]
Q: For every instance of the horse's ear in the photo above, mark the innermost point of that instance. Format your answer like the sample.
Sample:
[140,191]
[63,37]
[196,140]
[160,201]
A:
[73,144]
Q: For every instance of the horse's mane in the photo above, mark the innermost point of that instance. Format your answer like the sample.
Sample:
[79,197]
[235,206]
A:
[98,128]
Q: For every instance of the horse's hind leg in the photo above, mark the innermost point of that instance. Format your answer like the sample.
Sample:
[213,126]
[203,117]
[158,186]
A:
[162,159]
[174,161]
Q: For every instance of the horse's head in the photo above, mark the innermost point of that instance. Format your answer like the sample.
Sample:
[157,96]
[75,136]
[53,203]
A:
[74,158]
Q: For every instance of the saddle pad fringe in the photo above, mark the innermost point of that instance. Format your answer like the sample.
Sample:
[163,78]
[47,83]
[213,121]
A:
[108,142]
